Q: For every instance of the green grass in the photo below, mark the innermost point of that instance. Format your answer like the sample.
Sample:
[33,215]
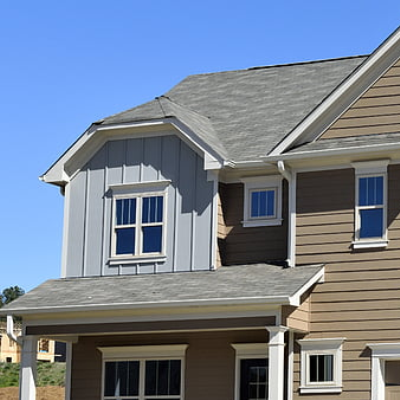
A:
[49,374]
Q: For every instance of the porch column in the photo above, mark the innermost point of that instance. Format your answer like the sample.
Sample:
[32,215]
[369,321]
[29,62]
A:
[27,375]
[276,362]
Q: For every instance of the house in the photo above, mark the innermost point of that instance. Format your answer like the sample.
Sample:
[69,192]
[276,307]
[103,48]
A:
[236,238]
[10,352]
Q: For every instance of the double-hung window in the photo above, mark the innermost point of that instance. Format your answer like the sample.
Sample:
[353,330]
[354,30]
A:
[321,365]
[371,204]
[262,201]
[138,221]
[143,372]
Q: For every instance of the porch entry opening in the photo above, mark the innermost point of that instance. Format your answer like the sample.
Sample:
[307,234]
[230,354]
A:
[254,379]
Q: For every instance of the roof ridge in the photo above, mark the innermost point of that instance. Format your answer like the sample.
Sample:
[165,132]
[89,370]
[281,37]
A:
[181,105]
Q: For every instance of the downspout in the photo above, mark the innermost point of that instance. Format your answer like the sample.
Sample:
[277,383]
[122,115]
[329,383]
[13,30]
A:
[291,244]
[10,330]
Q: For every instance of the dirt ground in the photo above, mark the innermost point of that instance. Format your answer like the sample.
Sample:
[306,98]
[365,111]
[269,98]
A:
[43,393]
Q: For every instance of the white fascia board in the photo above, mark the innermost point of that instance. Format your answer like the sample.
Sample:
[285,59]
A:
[333,152]
[267,300]
[317,278]
[345,94]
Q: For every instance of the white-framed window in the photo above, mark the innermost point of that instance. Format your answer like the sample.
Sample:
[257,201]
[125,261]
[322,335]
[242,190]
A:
[139,220]
[143,372]
[262,201]
[321,365]
[251,371]
[371,204]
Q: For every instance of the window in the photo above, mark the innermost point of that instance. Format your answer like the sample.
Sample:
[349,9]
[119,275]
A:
[262,201]
[370,219]
[251,371]
[321,365]
[139,220]
[43,345]
[143,372]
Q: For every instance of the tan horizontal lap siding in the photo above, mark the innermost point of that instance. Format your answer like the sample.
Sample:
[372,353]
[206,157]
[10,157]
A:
[209,369]
[376,112]
[248,245]
[360,299]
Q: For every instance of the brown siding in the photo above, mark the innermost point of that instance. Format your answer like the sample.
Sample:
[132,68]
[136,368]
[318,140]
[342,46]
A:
[377,111]
[360,299]
[250,245]
[298,318]
[210,361]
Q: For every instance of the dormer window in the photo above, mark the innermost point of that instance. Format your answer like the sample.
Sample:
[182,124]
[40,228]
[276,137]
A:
[262,201]
[138,221]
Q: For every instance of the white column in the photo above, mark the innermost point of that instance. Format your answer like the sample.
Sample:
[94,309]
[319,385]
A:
[68,371]
[276,362]
[27,375]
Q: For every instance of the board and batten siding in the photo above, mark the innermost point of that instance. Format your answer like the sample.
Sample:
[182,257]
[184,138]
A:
[360,298]
[240,245]
[376,111]
[189,220]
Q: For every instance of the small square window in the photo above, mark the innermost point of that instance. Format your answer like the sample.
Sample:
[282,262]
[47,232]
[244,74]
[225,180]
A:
[321,365]
[262,201]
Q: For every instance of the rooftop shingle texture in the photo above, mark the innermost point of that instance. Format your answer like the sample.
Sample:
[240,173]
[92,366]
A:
[250,110]
[123,292]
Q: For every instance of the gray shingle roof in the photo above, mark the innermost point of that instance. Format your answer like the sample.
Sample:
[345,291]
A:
[237,283]
[245,114]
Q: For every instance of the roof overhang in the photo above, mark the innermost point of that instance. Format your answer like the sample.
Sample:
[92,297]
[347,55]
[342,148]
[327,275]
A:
[319,120]
[97,135]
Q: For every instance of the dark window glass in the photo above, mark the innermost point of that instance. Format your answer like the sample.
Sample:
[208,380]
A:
[126,211]
[254,379]
[125,241]
[371,223]
[152,239]
[321,368]
[152,209]
[121,378]
[163,378]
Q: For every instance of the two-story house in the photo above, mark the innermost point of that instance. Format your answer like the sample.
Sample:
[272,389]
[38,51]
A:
[236,238]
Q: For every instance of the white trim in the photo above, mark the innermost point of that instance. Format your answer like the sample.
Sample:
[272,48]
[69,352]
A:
[345,94]
[212,176]
[290,367]
[65,243]
[28,364]
[268,182]
[381,352]
[317,278]
[324,346]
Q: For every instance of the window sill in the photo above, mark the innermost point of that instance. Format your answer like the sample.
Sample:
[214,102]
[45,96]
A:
[321,389]
[261,222]
[136,259]
[370,244]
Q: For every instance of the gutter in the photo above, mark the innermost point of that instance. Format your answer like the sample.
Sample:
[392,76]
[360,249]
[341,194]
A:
[291,178]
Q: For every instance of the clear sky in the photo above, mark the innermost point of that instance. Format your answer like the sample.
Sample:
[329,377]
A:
[65,64]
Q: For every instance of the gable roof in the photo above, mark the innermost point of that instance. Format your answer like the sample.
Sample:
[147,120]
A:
[245,114]
[242,284]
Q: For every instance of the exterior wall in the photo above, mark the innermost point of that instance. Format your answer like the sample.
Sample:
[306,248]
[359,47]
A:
[209,362]
[298,318]
[190,207]
[360,298]
[377,111]
[248,245]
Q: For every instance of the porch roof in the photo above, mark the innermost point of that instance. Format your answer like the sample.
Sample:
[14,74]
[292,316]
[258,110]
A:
[242,284]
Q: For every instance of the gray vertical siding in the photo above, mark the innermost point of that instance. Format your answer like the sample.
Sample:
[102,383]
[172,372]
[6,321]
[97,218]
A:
[189,198]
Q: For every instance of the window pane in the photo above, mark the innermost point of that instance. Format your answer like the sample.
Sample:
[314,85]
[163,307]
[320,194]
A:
[152,209]
[254,379]
[125,241]
[370,191]
[262,203]
[121,378]
[321,368]
[163,378]
[152,239]
[371,223]
[125,211]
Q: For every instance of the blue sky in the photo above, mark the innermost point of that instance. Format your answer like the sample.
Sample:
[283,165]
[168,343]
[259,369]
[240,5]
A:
[67,64]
